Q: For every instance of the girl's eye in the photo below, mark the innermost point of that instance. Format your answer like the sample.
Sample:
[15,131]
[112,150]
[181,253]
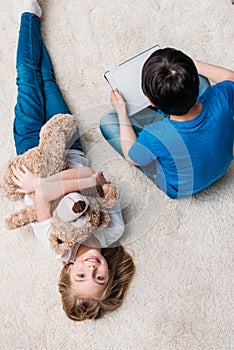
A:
[81,275]
[100,278]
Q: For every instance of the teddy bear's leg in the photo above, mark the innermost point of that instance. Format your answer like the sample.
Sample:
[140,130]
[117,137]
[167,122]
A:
[21,218]
[95,191]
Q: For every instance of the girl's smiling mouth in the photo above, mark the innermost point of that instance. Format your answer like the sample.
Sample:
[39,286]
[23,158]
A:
[93,259]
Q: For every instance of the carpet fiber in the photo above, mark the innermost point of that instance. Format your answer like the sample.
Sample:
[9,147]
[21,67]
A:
[182,295]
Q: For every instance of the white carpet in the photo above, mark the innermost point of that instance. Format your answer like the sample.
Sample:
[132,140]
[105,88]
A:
[182,295]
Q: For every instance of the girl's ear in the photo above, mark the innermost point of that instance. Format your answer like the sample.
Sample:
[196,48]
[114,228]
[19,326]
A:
[151,103]
[69,269]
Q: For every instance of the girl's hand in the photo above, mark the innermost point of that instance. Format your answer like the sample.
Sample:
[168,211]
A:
[25,180]
[118,102]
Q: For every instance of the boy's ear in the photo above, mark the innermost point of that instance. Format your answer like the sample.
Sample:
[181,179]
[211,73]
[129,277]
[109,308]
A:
[151,103]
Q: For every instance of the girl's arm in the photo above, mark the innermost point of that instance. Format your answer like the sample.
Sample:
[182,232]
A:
[49,191]
[73,173]
[51,188]
[127,133]
[215,73]
[28,182]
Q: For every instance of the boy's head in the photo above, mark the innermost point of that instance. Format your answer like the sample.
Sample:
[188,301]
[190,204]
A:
[170,81]
[114,272]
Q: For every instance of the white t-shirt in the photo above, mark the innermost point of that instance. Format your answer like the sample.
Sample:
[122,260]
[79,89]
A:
[106,236]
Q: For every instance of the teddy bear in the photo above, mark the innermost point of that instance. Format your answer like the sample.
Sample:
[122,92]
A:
[46,159]
[75,220]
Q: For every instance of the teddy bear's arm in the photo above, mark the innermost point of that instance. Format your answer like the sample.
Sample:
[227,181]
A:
[21,218]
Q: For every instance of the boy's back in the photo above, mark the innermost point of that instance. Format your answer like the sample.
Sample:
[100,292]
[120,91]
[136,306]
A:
[191,154]
[193,143]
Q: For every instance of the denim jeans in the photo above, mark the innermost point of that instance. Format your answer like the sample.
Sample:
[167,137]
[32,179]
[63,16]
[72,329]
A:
[109,126]
[39,97]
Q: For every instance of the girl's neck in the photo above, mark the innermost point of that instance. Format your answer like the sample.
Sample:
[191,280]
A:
[192,113]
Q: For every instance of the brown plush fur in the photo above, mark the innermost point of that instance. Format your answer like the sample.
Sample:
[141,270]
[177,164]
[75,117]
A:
[64,235]
[48,159]
[27,214]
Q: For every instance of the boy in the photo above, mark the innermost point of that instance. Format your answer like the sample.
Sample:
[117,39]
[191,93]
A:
[190,138]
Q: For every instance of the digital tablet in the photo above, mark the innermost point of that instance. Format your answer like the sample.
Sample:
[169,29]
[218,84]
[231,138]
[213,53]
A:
[126,77]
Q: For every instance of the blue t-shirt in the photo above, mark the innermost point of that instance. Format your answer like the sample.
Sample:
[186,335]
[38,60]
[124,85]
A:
[190,155]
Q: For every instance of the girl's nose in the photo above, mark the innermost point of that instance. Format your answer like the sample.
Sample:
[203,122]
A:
[92,266]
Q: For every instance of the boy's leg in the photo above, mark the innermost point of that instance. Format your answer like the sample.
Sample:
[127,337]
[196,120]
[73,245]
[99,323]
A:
[29,110]
[54,102]
[109,127]
[204,84]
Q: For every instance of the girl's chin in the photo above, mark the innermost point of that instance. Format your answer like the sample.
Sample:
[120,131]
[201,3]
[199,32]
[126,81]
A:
[92,243]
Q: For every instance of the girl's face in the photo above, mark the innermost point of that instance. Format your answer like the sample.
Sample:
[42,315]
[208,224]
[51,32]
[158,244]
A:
[89,274]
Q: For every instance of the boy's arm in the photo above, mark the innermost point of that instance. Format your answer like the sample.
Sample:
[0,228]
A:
[215,73]
[127,133]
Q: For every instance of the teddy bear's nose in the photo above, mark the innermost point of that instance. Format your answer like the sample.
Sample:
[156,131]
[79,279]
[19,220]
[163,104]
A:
[79,206]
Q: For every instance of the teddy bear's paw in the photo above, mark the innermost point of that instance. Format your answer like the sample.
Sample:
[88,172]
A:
[21,218]
[104,219]
[12,223]
[11,194]
[110,196]
[95,191]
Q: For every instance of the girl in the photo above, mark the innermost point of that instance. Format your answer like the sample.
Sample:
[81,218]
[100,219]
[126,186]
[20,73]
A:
[95,277]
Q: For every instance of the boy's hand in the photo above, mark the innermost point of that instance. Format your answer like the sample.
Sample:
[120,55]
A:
[25,180]
[118,102]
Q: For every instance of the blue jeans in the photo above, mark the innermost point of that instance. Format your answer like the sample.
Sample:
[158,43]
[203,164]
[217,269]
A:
[109,126]
[39,97]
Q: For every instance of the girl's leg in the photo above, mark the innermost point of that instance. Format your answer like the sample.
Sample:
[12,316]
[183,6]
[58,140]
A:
[29,110]
[53,99]
[54,102]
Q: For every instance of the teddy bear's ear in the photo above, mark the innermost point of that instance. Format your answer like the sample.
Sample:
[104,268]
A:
[53,154]
[104,219]
[58,245]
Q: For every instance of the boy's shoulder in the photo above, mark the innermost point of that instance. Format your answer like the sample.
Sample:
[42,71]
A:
[224,88]
[219,97]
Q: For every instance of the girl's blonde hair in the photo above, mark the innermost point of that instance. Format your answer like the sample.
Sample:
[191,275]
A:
[121,270]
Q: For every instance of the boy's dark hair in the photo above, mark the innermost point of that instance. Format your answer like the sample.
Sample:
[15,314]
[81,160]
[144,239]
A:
[170,80]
